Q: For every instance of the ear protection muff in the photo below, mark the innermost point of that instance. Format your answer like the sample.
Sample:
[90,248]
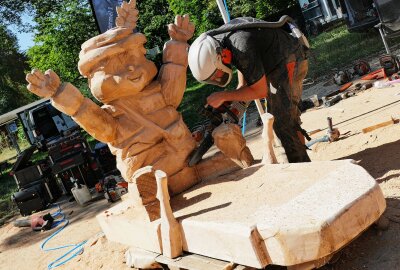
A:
[226,56]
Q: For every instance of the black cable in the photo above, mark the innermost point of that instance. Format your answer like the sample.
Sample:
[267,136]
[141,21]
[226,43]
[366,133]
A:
[344,121]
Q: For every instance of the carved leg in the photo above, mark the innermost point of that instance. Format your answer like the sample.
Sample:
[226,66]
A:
[229,139]
[143,190]
[268,137]
[170,229]
[182,180]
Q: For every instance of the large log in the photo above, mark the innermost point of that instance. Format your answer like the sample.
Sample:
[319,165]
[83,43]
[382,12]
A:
[284,214]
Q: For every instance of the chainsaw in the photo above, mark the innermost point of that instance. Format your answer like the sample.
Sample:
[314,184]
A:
[229,112]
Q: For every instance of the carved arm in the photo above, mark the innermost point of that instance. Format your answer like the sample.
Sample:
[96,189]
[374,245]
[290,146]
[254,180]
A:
[172,75]
[69,100]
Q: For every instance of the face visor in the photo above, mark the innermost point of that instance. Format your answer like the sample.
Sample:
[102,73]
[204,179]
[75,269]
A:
[222,75]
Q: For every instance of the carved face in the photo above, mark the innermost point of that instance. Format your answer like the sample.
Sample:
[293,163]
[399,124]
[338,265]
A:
[121,76]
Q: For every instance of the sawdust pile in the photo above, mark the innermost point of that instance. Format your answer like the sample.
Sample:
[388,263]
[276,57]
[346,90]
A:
[99,253]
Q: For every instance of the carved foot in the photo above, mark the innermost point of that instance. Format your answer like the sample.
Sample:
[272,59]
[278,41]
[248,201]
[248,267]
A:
[229,139]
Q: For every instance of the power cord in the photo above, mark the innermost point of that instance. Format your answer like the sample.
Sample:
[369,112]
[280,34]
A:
[75,248]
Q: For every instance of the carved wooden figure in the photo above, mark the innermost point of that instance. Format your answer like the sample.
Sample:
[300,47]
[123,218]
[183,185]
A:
[138,120]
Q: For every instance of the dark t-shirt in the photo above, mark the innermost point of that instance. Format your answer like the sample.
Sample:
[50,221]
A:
[257,51]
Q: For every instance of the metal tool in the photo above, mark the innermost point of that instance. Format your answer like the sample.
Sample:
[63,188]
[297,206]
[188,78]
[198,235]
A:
[226,113]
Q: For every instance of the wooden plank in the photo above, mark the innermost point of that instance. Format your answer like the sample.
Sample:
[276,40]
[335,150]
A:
[193,262]
[312,132]
[228,241]
[170,229]
[380,125]
[127,224]
[268,138]
[284,214]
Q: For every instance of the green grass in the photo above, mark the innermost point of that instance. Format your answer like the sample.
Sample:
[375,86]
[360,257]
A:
[7,182]
[9,153]
[7,188]
[338,48]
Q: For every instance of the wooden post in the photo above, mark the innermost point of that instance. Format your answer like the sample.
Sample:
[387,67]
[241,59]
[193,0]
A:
[170,228]
[268,137]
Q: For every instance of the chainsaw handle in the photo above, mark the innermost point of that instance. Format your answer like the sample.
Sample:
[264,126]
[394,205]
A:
[225,109]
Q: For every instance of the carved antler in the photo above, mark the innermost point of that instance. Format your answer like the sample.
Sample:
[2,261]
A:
[127,15]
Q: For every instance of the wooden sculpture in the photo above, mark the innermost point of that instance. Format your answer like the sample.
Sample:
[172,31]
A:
[139,120]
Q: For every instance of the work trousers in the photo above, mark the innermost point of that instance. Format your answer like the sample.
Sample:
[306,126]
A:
[287,79]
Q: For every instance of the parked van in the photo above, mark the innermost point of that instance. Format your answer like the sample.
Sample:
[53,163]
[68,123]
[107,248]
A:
[359,15]
[43,123]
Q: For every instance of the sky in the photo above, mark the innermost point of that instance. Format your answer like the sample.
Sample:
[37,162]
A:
[25,40]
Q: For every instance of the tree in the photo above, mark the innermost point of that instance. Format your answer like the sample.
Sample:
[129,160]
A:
[12,63]
[10,11]
[154,16]
[206,15]
[203,13]
[258,8]
[62,26]
[12,77]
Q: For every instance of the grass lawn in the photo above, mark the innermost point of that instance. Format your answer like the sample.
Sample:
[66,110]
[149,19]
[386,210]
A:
[7,188]
[7,182]
[338,48]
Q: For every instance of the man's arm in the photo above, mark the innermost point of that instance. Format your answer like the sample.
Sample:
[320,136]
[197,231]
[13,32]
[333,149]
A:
[257,90]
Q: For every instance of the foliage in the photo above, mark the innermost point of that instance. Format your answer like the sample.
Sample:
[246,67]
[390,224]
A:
[12,63]
[62,26]
[7,188]
[206,15]
[12,77]
[203,13]
[154,16]
[10,11]
[258,8]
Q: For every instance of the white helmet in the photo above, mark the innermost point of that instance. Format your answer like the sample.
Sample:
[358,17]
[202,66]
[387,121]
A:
[205,61]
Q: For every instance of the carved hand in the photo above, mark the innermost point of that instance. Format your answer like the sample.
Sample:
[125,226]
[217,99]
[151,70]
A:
[182,29]
[127,15]
[44,85]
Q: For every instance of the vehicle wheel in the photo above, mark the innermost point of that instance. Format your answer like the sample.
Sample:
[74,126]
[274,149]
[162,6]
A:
[314,28]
